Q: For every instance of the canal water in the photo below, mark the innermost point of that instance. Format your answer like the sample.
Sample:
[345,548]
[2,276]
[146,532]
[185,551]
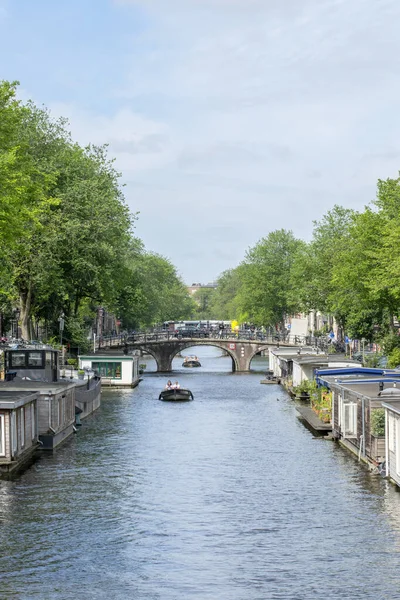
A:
[228,497]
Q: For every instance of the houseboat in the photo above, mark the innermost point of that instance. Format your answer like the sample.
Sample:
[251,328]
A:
[391,405]
[294,367]
[36,370]
[114,370]
[357,409]
[19,438]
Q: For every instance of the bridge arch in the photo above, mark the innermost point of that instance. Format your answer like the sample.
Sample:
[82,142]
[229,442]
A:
[164,351]
[215,344]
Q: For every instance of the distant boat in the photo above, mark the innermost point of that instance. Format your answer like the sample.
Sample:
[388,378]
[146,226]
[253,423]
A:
[191,361]
[271,380]
[178,395]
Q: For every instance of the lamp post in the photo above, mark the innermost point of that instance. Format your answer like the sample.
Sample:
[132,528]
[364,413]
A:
[61,321]
[16,313]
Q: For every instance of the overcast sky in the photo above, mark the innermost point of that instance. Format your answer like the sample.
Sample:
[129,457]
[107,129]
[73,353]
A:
[228,118]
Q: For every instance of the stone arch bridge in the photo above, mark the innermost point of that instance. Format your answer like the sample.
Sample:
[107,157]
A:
[164,349]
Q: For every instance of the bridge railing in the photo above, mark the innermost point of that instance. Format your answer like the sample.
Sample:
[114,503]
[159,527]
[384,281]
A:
[119,341]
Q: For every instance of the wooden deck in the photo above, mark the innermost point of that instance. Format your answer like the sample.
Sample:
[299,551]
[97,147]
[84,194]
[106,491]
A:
[313,420]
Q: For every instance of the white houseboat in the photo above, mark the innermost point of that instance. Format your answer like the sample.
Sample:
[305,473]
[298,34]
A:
[114,370]
[391,405]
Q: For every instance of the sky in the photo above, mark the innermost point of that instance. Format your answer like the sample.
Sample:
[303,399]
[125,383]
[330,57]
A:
[228,119]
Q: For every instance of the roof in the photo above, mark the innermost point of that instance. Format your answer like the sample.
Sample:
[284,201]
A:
[358,370]
[316,359]
[285,350]
[44,387]
[393,405]
[12,399]
[100,357]
[369,388]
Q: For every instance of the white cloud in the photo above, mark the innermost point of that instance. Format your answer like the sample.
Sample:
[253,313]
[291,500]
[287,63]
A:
[137,142]
[250,115]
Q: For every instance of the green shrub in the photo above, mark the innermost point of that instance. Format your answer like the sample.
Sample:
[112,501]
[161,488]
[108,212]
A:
[390,342]
[306,386]
[372,361]
[72,361]
[378,422]
[394,358]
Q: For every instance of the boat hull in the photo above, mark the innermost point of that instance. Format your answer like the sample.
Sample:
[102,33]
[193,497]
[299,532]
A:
[176,395]
[191,363]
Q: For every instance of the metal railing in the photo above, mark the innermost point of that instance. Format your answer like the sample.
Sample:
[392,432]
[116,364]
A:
[245,336]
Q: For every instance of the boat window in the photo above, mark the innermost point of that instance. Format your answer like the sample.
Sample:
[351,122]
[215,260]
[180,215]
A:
[35,359]
[22,425]
[2,436]
[108,369]
[48,358]
[17,359]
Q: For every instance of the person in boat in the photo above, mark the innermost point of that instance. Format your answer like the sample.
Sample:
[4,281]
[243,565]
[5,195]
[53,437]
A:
[169,385]
[176,386]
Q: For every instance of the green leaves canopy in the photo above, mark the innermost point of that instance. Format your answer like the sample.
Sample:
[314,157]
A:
[66,232]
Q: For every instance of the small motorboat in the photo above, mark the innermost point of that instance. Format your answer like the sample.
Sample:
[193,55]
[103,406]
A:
[191,361]
[271,380]
[176,395]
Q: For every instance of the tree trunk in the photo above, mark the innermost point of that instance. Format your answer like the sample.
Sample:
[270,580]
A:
[25,314]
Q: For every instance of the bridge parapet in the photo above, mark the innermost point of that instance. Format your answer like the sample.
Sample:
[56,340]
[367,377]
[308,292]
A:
[164,346]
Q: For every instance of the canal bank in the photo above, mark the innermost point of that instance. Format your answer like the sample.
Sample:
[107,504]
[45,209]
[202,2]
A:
[225,497]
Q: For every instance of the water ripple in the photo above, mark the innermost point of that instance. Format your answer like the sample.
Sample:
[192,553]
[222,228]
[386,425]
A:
[228,497]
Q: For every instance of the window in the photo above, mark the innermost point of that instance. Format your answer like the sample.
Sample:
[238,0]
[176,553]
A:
[350,420]
[26,360]
[2,437]
[17,359]
[398,446]
[392,431]
[33,420]
[14,445]
[111,370]
[35,359]
[59,412]
[22,425]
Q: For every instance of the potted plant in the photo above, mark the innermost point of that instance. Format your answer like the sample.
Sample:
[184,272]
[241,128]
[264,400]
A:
[81,373]
[303,390]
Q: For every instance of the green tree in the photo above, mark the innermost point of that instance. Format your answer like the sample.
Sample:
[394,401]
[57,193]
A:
[265,294]
[203,298]
[225,300]
[152,291]
[313,267]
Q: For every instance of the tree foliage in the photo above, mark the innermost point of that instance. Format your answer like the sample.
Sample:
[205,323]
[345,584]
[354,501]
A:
[265,294]
[224,304]
[67,234]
